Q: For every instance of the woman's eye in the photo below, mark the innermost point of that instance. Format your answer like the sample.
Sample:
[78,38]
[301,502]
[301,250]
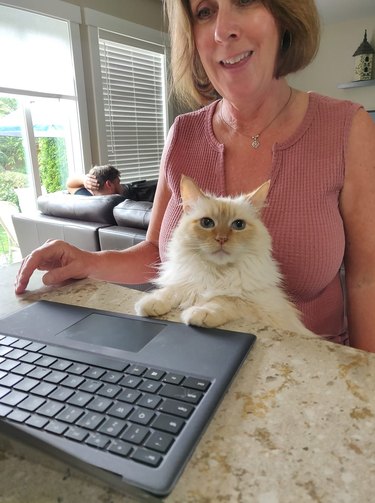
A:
[238,225]
[207,223]
[203,12]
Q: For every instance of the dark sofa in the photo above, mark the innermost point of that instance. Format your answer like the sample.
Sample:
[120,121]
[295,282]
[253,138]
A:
[96,223]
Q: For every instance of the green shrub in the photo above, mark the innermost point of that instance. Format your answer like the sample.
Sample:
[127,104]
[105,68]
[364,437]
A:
[53,163]
[10,180]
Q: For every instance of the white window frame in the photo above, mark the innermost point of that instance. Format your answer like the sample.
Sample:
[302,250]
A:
[95,22]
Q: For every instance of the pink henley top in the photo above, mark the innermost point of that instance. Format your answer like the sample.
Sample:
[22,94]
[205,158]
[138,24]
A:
[302,210]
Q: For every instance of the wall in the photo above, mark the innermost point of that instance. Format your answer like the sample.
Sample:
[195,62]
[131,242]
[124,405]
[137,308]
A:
[334,63]
[145,12]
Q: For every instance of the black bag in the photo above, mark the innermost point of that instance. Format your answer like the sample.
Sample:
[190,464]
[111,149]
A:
[142,190]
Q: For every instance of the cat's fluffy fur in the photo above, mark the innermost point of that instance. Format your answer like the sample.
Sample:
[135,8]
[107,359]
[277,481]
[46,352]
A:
[219,265]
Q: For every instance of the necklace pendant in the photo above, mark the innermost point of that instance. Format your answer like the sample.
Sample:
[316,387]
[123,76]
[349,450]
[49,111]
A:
[255,143]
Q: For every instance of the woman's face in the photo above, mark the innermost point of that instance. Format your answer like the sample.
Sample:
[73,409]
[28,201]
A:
[237,41]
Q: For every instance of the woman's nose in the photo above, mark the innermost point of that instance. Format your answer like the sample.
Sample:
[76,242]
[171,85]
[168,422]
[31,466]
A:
[226,26]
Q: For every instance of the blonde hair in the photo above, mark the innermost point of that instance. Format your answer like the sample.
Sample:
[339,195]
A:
[299,28]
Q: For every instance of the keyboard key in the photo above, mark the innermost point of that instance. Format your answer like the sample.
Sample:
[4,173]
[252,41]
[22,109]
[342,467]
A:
[5,350]
[3,391]
[159,441]
[78,368]
[61,394]
[130,381]
[176,408]
[112,377]
[10,380]
[39,373]
[32,403]
[56,427]
[149,401]
[73,381]
[136,370]
[37,421]
[112,427]
[15,354]
[8,365]
[35,346]
[50,408]
[129,396]
[180,393]
[46,361]
[154,374]
[55,377]
[76,433]
[91,420]
[7,340]
[94,373]
[18,416]
[12,398]
[120,448]
[90,386]
[100,404]
[80,398]
[120,410]
[61,365]
[44,389]
[30,357]
[23,368]
[70,414]
[149,386]
[4,410]
[142,416]
[147,457]
[192,382]
[97,440]
[171,378]
[108,390]
[135,434]
[26,384]
[167,423]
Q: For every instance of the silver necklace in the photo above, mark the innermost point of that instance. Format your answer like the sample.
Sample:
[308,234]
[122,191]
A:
[255,143]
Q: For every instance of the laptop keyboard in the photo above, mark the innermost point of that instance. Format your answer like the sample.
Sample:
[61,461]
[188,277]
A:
[131,410]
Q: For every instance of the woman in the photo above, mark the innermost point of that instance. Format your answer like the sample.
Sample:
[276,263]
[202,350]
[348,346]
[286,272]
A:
[317,152]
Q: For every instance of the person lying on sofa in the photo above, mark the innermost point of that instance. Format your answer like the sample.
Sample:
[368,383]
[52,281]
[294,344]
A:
[100,181]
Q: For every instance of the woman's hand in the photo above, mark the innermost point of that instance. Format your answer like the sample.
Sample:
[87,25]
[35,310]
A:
[62,261]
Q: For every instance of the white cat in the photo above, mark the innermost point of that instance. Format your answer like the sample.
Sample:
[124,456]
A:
[219,265]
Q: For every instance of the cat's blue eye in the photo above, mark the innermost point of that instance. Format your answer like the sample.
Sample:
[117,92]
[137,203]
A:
[238,225]
[207,223]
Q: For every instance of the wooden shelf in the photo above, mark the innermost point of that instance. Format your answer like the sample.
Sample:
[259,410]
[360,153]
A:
[357,83]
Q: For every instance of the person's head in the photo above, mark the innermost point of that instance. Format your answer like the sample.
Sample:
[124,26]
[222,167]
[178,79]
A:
[108,179]
[298,34]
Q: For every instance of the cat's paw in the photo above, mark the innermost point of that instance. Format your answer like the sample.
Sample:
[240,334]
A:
[151,305]
[200,316]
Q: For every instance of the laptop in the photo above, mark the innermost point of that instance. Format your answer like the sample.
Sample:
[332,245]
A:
[123,398]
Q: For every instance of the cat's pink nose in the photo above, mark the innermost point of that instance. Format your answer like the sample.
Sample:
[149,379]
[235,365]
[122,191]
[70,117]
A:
[221,239]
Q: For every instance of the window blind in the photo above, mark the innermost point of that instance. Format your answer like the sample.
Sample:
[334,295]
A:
[134,108]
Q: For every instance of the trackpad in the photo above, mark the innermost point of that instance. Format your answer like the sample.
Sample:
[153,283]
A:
[113,331]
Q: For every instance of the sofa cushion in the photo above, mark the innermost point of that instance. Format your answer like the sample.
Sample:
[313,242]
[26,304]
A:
[90,209]
[133,213]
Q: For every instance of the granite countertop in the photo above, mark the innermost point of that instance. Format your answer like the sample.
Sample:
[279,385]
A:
[297,425]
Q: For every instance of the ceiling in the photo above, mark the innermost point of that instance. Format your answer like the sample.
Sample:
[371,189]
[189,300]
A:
[335,11]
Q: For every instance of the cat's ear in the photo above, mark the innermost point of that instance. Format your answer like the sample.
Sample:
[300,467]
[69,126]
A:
[190,192]
[258,196]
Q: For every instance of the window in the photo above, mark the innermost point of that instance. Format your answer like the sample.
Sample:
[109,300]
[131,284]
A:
[129,120]
[133,94]
[40,133]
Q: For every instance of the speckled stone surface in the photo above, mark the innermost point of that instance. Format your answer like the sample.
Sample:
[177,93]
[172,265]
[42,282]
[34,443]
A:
[297,425]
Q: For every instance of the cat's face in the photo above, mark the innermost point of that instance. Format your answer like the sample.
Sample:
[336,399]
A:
[220,230]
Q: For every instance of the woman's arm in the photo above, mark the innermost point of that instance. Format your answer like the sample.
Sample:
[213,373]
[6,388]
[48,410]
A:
[134,265]
[358,210]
